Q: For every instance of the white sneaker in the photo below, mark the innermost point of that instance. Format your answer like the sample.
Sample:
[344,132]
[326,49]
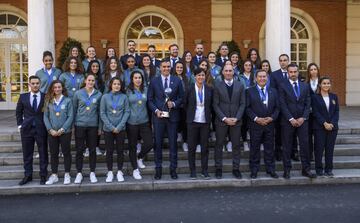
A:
[120,176]
[246,146]
[198,149]
[185,147]
[229,147]
[179,137]
[52,179]
[61,154]
[37,156]
[262,147]
[136,174]
[78,179]
[98,151]
[109,177]
[140,164]
[86,153]
[67,179]
[213,136]
[138,148]
[93,178]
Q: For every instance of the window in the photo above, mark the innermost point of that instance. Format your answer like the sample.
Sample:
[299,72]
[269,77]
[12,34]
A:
[152,29]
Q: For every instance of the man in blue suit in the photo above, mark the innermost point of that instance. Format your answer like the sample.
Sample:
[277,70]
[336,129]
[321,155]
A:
[29,117]
[262,108]
[295,102]
[199,54]
[224,52]
[174,55]
[152,54]
[131,45]
[165,96]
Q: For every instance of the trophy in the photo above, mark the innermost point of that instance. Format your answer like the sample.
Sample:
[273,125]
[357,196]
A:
[166,114]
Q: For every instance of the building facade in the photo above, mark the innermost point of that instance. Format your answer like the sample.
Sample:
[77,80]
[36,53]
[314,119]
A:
[326,32]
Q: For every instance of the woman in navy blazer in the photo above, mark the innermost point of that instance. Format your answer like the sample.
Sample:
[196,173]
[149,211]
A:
[325,125]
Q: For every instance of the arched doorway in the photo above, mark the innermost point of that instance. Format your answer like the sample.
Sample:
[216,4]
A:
[13,59]
[151,25]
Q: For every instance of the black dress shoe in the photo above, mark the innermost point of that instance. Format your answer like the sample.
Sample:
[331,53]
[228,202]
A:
[25,180]
[158,173]
[307,173]
[286,174]
[218,173]
[273,174]
[42,180]
[205,175]
[173,174]
[193,175]
[295,157]
[237,174]
[329,173]
[253,175]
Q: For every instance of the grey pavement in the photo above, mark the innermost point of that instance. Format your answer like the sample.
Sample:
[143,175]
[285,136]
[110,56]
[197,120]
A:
[325,203]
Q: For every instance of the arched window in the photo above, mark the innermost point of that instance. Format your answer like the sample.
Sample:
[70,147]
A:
[13,59]
[152,29]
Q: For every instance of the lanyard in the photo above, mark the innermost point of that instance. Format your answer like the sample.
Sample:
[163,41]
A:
[57,107]
[263,94]
[115,102]
[87,98]
[50,76]
[200,94]
[73,81]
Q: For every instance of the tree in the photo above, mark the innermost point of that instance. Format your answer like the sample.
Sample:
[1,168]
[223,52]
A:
[64,51]
[232,45]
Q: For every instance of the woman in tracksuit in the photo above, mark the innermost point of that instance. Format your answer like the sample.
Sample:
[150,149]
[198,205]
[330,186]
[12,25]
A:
[58,119]
[114,113]
[86,103]
[49,73]
[73,76]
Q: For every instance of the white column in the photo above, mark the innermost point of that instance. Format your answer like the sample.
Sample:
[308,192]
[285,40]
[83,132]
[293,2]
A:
[277,30]
[41,35]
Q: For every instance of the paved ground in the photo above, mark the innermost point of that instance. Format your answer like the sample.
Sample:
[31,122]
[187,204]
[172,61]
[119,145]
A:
[336,203]
[349,119]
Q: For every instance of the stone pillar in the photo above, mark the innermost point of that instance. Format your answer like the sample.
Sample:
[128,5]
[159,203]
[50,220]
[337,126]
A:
[277,30]
[79,21]
[41,34]
[221,22]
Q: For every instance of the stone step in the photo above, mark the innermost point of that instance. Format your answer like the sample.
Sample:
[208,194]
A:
[15,146]
[11,187]
[16,172]
[17,158]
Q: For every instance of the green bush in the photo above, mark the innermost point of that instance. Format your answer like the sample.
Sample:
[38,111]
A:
[232,45]
[64,51]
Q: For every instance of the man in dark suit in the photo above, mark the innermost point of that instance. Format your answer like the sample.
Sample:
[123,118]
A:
[131,45]
[29,117]
[224,52]
[199,54]
[277,78]
[165,96]
[198,104]
[229,105]
[262,108]
[152,54]
[174,55]
[295,105]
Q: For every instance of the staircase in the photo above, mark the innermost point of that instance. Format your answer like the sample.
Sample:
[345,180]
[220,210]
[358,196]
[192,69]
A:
[346,170]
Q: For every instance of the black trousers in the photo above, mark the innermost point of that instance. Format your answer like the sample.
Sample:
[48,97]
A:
[65,142]
[182,128]
[311,136]
[28,143]
[115,141]
[85,137]
[133,133]
[198,132]
[258,135]
[244,127]
[234,135]
[287,133]
[324,141]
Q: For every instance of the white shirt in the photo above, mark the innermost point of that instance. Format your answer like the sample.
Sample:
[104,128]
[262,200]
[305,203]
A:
[38,98]
[285,71]
[200,108]
[314,84]
[223,59]
[113,74]
[58,102]
[229,82]
[327,101]
[292,82]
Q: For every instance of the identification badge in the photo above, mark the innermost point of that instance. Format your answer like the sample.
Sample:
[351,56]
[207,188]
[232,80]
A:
[54,78]
[94,101]
[73,89]
[114,111]
[139,102]
[63,107]
[57,113]
[87,108]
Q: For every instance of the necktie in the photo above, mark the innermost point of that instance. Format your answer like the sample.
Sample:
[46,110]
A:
[199,58]
[296,90]
[173,62]
[34,104]
[166,84]
[285,75]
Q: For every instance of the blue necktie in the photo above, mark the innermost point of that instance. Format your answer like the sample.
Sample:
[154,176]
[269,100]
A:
[296,90]
[34,104]
[166,84]
[173,62]
[285,75]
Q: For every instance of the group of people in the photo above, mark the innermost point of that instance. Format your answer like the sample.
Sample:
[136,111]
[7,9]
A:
[190,99]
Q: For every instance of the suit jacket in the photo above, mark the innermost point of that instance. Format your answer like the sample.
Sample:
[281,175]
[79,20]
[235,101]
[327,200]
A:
[320,112]
[124,57]
[157,62]
[190,103]
[195,60]
[256,108]
[25,115]
[277,79]
[156,97]
[290,106]
[219,62]
[226,107]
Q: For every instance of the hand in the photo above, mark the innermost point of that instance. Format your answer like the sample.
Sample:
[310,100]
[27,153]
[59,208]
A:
[268,120]
[300,121]
[294,123]
[115,131]
[228,121]
[53,133]
[261,121]
[60,132]
[170,104]
[158,114]
[328,126]
[99,132]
